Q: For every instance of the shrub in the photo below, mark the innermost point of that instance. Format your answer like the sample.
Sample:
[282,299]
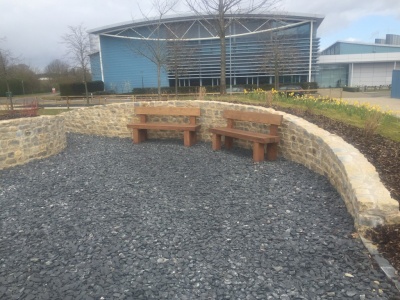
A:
[309,85]
[15,87]
[351,89]
[372,123]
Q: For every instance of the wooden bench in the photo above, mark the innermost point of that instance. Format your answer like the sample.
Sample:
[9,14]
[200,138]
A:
[259,139]
[139,130]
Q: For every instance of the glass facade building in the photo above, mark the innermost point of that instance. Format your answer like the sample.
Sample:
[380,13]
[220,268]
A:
[359,64]
[259,48]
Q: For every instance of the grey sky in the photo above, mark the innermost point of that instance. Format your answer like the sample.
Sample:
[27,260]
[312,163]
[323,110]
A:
[33,28]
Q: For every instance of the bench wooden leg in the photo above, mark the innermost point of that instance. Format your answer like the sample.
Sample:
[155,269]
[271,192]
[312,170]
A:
[228,142]
[258,152]
[135,136]
[216,142]
[139,135]
[272,151]
[189,138]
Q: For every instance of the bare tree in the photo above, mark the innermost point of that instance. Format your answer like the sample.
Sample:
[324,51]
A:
[78,45]
[223,13]
[58,72]
[180,55]
[179,60]
[27,78]
[57,68]
[6,63]
[154,49]
[280,56]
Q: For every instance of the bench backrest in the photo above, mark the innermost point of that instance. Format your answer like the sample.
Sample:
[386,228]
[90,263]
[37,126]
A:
[191,112]
[168,111]
[273,120]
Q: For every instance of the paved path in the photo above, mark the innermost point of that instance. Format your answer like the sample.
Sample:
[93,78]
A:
[381,98]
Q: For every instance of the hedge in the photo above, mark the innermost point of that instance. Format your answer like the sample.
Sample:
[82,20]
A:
[78,88]
[15,87]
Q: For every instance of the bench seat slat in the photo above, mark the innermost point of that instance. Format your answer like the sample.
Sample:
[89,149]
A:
[245,135]
[164,126]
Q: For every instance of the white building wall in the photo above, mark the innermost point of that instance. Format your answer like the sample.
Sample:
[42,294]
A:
[370,69]
[372,74]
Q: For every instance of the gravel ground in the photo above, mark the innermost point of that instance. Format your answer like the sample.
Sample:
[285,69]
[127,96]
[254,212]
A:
[106,219]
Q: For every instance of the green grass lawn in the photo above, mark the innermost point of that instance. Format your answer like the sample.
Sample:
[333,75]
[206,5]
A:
[51,111]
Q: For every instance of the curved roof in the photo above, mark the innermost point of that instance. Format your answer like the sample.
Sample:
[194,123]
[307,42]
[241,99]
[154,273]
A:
[246,24]
[317,19]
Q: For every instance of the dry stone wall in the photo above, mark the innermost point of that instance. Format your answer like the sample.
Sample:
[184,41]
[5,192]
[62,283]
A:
[26,139]
[356,180]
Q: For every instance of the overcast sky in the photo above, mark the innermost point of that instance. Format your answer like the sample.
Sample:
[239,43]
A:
[33,28]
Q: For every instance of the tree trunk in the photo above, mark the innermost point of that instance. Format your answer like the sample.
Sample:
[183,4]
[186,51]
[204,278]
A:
[276,79]
[86,88]
[86,93]
[222,83]
[159,81]
[276,71]
[221,21]
[10,96]
[176,84]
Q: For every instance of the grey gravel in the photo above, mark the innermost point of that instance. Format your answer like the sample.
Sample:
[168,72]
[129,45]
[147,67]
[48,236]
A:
[107,219]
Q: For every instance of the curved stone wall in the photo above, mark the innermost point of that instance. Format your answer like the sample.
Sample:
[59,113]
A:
[26,139]
[357,181]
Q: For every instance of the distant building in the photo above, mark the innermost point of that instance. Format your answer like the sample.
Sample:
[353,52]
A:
[359,64]
[249,50]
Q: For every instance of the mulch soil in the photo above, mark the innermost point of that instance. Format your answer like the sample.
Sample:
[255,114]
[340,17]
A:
[384,155]
[16,114]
